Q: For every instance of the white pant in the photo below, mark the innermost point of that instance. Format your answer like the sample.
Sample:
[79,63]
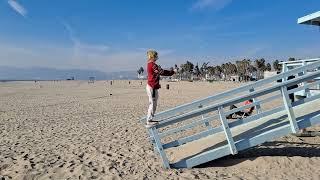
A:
[153,98]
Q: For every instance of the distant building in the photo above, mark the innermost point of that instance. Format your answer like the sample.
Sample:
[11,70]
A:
[91,79]
[71,79]
[141,76]
[235,78]
[268,74]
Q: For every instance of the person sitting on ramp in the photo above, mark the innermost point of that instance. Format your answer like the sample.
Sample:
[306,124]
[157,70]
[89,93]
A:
[242,114]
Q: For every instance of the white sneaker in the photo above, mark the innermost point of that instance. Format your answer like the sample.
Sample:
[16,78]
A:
[150,124]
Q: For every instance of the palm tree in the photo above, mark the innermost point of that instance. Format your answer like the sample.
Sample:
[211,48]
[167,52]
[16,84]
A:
[291,59]
[204,69]
[224,70]
[217,71]
[177,75]
[196,70]
[252,70]
[186,69]
[242,67]
[276,65]
[261,66]
[268,67]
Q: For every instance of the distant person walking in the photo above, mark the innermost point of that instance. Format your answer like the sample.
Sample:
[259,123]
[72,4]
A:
[154,72]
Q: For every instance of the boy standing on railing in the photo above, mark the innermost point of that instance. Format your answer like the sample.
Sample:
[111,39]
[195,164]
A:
[154,71]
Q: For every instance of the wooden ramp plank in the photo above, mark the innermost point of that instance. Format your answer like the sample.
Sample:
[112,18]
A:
[246,135]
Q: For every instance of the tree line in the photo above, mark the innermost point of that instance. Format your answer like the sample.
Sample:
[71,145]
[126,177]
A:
[244,70]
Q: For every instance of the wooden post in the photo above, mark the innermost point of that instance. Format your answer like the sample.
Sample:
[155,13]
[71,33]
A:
[227,131]
[257,107]
[307,90]
[159,147]
[284,69]
[288,106]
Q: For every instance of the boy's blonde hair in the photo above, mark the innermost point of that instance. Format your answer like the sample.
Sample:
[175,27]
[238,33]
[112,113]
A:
[152,54]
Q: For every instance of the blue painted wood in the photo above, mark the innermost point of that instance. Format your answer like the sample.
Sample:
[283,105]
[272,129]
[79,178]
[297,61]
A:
[227,132]
[188,126]
[214,107]
[318,79]
[203,157]
[227,103]
[304,122]
[305,100]
[264,137]
[309,85]
[244,143]
[219,129]
[159,147]
[151,139]
[312,19]
[192,138]
[208,119]
[288,106]
[299,62]
[211,99]
[307,91]
[308,121]
[257,107]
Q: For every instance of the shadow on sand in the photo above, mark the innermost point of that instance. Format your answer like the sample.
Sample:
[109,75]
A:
[275,148]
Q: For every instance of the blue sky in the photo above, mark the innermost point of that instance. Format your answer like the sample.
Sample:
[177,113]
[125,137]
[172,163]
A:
[110,35]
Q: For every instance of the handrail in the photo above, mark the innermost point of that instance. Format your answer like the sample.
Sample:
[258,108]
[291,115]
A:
[210,99]
[211,118]
[300,61]
[213,107]
[267,92]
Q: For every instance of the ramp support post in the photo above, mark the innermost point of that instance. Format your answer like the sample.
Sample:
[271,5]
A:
[284,69]
[318,86]
[258,107]
[307,90]
[151,139]
[227,131]
[159,147]
[288,106]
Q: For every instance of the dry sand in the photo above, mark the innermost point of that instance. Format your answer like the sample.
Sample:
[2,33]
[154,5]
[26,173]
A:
[76,130]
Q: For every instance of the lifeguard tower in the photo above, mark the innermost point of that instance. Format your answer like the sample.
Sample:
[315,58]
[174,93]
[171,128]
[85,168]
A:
[198,132]
[312,19]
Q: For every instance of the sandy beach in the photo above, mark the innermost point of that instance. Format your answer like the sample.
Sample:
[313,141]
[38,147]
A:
[76,130]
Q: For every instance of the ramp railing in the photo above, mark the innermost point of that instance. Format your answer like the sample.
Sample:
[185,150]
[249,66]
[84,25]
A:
[214,98]
[201,118]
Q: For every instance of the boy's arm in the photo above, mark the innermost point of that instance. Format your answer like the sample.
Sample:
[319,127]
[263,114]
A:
[163,72]
[167,73]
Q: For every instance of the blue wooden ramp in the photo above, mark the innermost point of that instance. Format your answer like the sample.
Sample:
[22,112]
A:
[199,132]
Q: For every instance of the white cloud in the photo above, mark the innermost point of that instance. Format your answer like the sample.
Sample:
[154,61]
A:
[82,50]
[215,4]
[17,7]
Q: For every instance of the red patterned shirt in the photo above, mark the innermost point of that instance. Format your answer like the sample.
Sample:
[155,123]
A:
[154,72]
